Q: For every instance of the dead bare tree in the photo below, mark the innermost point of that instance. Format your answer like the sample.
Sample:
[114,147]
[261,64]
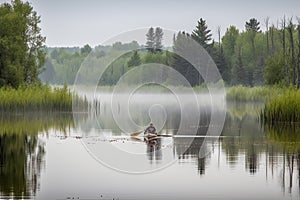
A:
[286,67]
[219,38]
[267,34]
[298,62]
[290,29]
[272,39]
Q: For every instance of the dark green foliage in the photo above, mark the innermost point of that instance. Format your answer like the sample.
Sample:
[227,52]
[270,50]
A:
[274,73]
[252,25]
[180,64]
[134,60]
[240,72]
[221,63]
[22,47]
[86,49]
[202,34]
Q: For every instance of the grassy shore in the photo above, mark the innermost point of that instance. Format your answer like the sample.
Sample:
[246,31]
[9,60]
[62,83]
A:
[282,104]
[243,93]
[35,98]
[282,108]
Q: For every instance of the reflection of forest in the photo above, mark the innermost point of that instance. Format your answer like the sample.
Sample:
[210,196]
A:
[273,150]
[22,150]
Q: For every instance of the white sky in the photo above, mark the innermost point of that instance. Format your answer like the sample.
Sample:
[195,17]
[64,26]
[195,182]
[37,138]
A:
[79,22]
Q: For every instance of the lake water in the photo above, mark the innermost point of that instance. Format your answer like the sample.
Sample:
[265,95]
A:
[52,156]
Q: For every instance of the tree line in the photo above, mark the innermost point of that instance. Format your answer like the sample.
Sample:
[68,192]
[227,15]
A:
[249,57]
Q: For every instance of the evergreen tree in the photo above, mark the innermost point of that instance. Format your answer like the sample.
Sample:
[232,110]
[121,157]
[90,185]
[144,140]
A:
[202,34]
[150,40]
[220,61]
[158,39]
[252,25]
[253,28]
[134,60]
[180,64]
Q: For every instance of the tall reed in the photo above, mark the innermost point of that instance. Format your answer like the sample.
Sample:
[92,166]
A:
[282,108]
[35,98]
[243,93]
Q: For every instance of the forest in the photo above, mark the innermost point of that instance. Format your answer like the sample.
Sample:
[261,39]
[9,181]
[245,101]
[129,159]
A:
[249,57]
[262,54]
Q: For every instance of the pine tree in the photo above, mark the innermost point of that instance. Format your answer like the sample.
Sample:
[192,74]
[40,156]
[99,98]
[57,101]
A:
[202,34]
[180,64]
[134,60]
[150,40]
[158,39]
[253,25]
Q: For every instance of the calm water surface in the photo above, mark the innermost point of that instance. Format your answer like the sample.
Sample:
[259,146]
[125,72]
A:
[48,156]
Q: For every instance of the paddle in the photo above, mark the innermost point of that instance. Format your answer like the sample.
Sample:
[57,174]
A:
[136,133]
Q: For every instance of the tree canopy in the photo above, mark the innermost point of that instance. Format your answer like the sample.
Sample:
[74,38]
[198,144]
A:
[22,48]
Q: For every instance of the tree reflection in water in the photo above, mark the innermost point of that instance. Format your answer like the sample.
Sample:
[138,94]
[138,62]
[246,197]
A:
[22,153]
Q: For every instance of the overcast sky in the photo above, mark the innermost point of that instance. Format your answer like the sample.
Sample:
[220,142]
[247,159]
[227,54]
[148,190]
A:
[79,22]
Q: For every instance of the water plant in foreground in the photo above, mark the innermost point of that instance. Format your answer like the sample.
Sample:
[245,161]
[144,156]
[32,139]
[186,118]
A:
[282,108]
[35,98]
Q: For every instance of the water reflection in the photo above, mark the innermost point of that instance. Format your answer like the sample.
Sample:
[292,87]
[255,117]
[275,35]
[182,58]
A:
[22,151]
[266,154]
[154,149]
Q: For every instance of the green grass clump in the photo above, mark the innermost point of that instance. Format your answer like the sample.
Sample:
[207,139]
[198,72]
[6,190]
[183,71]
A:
[242,93]
[35,98]
[282,107]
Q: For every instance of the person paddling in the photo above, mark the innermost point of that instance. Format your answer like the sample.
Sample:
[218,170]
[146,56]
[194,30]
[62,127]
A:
[150,129]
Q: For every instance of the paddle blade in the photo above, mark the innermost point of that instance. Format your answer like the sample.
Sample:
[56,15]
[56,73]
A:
[136,133]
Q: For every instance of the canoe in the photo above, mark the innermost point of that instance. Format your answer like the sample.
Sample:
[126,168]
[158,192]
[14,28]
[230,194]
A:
[150,136]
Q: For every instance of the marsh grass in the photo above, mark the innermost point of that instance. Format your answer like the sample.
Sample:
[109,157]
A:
[258,94]
[35,98]
[282,108]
